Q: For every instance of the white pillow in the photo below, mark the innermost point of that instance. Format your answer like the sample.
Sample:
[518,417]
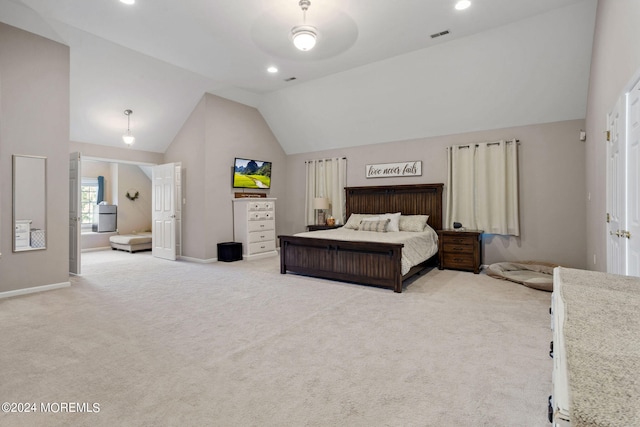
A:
[413,222]
[394,221]
[354,221]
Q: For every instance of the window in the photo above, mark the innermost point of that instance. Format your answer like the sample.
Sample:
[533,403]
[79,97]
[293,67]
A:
[483,187]
[88,200]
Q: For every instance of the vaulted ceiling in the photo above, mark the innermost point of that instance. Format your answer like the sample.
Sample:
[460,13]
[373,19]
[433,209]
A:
[375,75]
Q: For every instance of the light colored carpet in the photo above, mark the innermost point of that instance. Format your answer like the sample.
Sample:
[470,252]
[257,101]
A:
[155,343]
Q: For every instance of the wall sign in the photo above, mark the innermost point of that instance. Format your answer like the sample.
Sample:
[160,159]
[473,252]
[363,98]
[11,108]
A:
[388,170]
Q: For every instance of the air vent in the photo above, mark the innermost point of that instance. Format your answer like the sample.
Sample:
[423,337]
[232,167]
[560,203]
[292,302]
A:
[441,33]
[289,79]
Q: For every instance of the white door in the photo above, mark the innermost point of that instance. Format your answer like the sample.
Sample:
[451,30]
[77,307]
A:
[178,203]
[165,211]
[616,245]
[75,182]
[633,181]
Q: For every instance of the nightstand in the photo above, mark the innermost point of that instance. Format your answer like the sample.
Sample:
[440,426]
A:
[322,227]
[460,250]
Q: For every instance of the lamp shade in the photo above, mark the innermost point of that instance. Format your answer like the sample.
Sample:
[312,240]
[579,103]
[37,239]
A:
[128,138]
[321,203]
[304,37]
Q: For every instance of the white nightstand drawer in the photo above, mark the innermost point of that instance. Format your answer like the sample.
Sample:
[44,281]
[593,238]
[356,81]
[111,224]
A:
[262,236]
[256,248]
[261,225]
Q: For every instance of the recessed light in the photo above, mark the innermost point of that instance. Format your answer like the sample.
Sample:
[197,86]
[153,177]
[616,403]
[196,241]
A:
[463,4]
[128,1]
[272,69]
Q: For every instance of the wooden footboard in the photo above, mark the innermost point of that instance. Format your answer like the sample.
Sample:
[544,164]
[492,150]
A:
[377,264]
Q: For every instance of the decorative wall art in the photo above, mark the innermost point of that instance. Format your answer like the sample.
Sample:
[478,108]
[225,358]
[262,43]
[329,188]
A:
[388,170]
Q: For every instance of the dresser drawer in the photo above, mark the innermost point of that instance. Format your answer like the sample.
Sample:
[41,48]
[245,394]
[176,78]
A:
[459,240]
[458,248]
[261,225]
[256,248]
[461,261]
[260,215]
[261,206]
[262,236]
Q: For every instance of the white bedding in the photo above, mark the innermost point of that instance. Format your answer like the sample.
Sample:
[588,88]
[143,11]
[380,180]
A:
[418,246]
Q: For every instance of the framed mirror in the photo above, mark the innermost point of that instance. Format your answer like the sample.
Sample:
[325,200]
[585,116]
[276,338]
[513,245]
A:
[29,203]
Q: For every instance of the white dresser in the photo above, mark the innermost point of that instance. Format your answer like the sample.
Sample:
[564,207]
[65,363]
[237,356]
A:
[254,225]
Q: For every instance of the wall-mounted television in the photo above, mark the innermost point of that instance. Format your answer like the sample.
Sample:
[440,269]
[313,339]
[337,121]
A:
[249,173]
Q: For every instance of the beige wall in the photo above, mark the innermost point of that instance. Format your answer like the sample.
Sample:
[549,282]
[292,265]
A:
[614,62]
[551,160]
[188,148]
[133,215]
[34,111]
[217,131]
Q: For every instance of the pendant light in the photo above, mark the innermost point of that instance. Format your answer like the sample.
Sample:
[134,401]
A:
[128,138]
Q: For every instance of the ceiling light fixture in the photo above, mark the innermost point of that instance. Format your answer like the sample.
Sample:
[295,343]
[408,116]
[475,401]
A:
[272,69]
[304,36]
[127,137]
[128,1]
[463,4]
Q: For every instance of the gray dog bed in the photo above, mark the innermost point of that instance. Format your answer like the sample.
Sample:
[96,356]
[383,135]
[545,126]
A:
[534,274]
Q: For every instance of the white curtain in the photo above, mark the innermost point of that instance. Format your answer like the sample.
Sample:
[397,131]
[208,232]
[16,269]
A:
[326,178]
[483,187]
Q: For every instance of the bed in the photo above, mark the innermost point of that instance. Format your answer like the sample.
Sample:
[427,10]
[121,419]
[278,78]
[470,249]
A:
[365,262]
[131,242]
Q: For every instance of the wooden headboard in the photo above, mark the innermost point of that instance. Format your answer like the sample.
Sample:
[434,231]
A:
[418,199]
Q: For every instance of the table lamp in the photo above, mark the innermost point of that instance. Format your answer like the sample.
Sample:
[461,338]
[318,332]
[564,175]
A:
[320,204]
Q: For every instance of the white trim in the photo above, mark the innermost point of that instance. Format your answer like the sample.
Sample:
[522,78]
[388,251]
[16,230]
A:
[198,260]
[102,248]
[25,291]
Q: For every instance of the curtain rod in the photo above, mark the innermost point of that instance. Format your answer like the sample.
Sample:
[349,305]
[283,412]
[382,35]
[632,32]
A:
[488,143]
[323,160]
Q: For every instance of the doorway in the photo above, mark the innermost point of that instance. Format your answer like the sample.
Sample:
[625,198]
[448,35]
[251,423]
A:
[126,184]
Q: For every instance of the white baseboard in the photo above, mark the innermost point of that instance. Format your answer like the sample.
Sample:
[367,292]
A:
[201,261]
[260,255]
[103,248]
[25,291]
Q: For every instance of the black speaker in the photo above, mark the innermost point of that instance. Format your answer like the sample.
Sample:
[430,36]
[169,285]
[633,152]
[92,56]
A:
[229,251]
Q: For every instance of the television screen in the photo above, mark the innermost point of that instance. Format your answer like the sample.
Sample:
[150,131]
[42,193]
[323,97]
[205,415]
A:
[251,174]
